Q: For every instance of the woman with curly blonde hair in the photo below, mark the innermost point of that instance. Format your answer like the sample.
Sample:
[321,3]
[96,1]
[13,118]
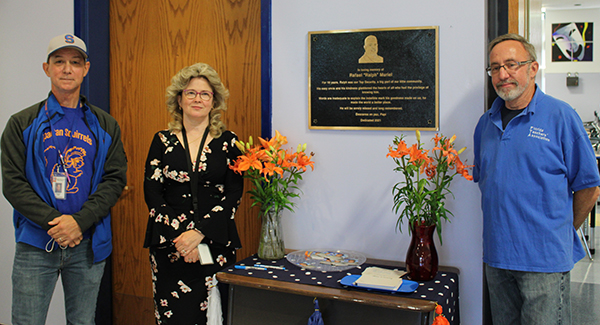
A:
[192,196]
[180,81]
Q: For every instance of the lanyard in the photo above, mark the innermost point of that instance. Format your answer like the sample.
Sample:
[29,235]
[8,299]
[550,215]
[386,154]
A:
[191,168]
[61,158]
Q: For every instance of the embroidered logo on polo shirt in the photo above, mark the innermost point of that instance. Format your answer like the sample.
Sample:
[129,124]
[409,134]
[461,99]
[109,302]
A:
[538,133]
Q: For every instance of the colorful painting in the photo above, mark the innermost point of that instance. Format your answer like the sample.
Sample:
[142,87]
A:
[572,42]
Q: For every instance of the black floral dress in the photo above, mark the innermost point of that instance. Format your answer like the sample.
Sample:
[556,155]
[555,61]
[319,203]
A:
[180,288]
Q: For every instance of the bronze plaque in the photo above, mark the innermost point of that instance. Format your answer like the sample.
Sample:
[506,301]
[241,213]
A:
[374,79]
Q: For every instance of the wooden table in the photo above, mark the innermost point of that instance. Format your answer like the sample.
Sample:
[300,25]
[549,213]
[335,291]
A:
[254,300]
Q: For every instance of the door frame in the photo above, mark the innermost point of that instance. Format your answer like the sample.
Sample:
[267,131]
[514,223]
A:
[94,30]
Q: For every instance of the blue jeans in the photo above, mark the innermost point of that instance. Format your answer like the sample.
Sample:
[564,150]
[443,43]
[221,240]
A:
[34,277]
[529,298]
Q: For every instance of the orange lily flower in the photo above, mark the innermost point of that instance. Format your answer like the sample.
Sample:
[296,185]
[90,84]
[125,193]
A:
[437,139]
[262,155]
[400,152]
[462,169]
[275,142]
[303,160]
[270,169]
[417,156]
[450,155]
[272,143]
[286,159]
[280,138]
[243,163]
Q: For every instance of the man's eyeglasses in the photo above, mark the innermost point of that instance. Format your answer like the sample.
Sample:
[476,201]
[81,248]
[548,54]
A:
[191,94]
[509,66]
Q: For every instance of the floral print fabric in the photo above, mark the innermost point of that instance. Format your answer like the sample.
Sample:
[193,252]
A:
[180,288]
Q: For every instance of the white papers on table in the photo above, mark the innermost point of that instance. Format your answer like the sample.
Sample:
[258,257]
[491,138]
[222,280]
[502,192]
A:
[380,278]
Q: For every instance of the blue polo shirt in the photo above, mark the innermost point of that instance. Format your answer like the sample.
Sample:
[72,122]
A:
[527,174]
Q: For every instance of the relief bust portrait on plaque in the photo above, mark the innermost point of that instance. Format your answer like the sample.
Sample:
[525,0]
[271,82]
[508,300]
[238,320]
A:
[374,79]
[371,49]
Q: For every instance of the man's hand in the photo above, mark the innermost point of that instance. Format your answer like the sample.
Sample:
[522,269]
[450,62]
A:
[65,231]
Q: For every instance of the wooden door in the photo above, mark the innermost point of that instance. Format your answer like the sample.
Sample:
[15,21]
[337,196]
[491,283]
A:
[513,16]
[149,42]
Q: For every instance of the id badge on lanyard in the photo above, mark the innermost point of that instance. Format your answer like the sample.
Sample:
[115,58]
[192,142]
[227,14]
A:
[59,180]
[59,185]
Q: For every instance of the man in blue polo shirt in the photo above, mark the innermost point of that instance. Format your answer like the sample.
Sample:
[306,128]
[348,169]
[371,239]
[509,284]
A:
[539,179]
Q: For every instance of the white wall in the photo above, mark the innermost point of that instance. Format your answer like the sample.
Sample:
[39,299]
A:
[347,200]
[585,98]
[26,27]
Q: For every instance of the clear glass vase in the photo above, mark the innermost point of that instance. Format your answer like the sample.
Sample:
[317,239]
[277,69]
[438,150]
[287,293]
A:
[271,246]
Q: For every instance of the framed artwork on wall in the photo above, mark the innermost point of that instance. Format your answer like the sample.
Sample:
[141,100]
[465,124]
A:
[573,42]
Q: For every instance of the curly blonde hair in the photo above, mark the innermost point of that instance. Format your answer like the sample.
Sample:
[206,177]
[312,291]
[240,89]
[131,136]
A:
[180,81]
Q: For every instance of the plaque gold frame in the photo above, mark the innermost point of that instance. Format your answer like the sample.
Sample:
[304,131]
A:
[354,84]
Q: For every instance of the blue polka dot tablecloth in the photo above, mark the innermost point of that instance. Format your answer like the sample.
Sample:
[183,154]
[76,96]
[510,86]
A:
[443,288]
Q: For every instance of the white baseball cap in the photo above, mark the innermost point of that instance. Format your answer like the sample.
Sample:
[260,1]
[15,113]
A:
[67,41]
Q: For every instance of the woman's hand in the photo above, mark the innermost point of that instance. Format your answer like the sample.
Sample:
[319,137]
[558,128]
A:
[187,244]
[192,257]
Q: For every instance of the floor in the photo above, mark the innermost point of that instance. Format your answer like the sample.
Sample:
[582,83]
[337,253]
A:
[585,286]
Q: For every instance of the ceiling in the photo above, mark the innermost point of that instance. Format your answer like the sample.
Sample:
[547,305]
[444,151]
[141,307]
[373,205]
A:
[570,4]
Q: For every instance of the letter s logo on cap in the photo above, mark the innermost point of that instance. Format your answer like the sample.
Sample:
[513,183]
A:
[69,39]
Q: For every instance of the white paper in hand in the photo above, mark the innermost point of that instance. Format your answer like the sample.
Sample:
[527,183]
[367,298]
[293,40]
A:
[204,254]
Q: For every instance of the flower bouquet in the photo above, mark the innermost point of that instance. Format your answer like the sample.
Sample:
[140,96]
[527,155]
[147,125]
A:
[274,173]
[427,177]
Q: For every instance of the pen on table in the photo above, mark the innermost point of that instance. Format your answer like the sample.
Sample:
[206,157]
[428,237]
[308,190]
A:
[277,267]
[242,267]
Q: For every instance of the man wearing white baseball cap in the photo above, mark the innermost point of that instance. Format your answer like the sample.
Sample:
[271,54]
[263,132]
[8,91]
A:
[63,168]
[67,41]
